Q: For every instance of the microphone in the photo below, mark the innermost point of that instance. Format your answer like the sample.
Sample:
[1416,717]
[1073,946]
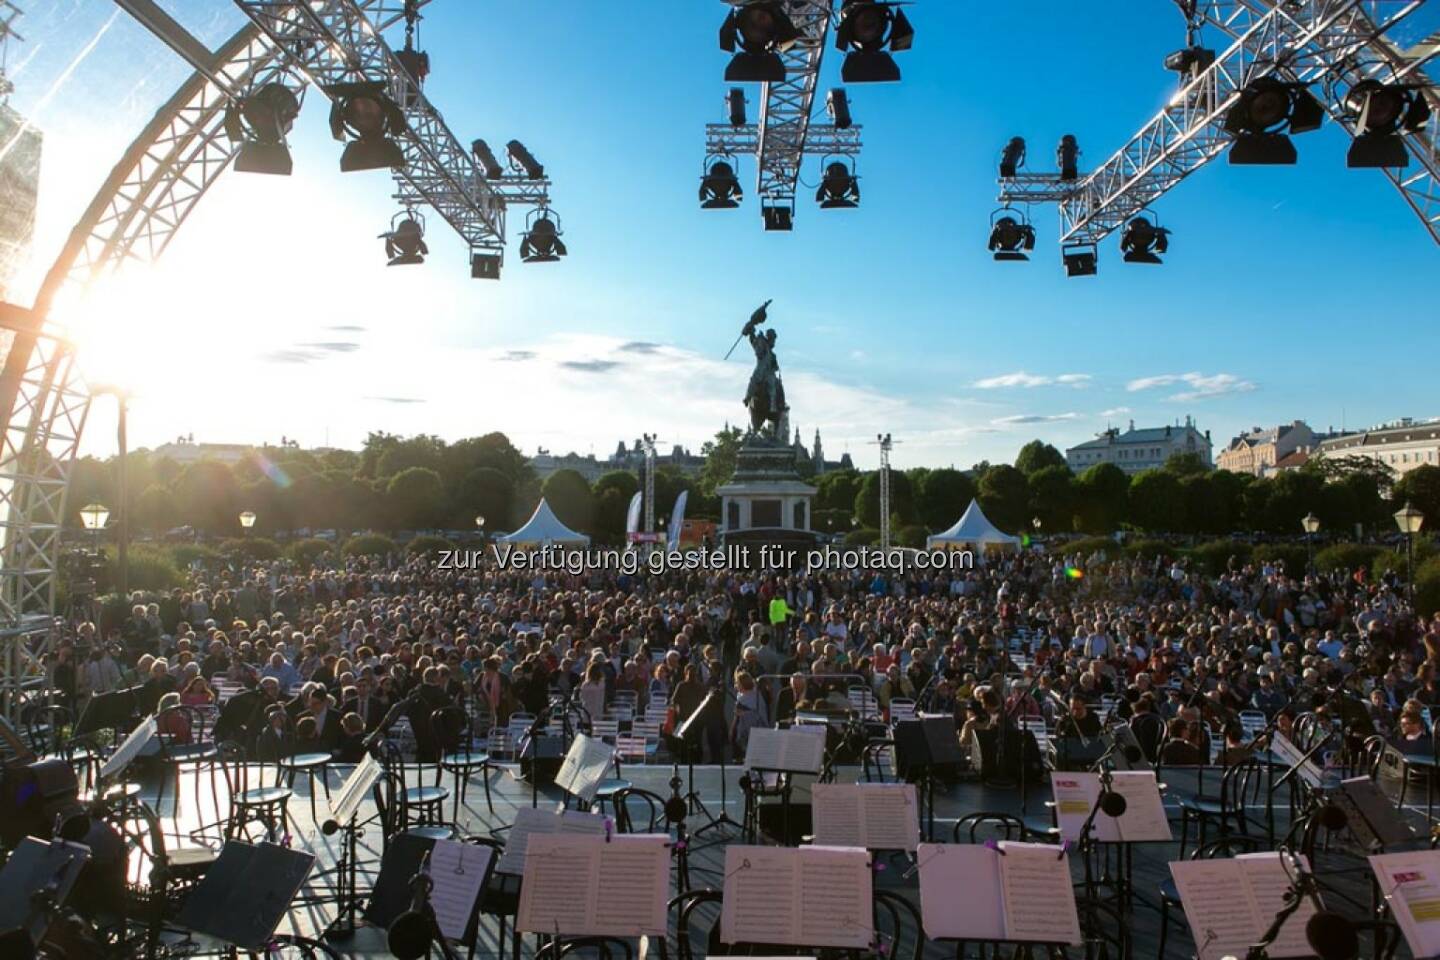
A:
[1112,804]
[411,934]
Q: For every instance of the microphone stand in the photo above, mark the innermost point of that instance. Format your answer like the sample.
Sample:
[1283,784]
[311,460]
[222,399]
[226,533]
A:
[721,819]
[417,929]
[1302,886]
[1083,842]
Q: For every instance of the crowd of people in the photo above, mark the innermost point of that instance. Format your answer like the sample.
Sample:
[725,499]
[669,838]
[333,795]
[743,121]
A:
[321,655]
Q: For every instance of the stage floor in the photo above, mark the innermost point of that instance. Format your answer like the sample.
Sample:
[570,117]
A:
[509,794]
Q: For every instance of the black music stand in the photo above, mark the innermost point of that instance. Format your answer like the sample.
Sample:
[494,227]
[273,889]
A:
[36,880]
[922,746]
[246,893]
[692,732]
[108,711]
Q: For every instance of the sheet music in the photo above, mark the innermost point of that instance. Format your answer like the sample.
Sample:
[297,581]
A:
[1039,896]
[1144,818]
[596,887]
[1289,755]
[1268,881]
[876,816]
[1411,884]
[539,820]
[1229,904]
[790,751]
[458,871]
[810,896]
[353,790]
[960,893]
[132,747]
[585,765]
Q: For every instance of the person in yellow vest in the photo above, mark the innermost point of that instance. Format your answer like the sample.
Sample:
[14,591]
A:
[779,612]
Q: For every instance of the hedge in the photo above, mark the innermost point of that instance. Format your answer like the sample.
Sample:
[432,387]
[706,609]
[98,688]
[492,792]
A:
[1294,558]
[307,551]
[369,545]
[1346,557]
[1427,587]
[252,548]
[864,537]
[1214,556]
[185,554]
[1149,548]
[1088,545]
[427,543]
[150,568]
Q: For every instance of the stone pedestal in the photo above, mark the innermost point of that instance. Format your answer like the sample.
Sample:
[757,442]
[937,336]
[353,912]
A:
[766,501]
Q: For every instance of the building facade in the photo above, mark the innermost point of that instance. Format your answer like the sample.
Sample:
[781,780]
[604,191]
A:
[1135,450]
[1401,445]
[1259,451]
[679,459]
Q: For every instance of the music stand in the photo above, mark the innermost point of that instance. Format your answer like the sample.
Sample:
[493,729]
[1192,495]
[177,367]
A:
[36,880]
[694,729]
[920,747]
[107,711]
[246,893]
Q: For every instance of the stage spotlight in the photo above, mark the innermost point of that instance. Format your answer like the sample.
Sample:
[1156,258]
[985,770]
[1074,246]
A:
[839,189]
[763,30]
[1010,235]
[719,187]
[1081,260]
[1267,108]
[1012,158]
[837,104]
[260,123]
[542,243]
[1192,60]
[405,243]
[735,101]
[371,118]
[1143,241]
[416,64]
[869,32]
[522,159]
[485,264]
[1067,158]
[1382,111]
[490,168]
[778,218]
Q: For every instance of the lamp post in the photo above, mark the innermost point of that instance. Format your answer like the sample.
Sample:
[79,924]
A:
[247,520]
[122,539]
[1311,523]
[1035,522]
[94,515]
[1409,520]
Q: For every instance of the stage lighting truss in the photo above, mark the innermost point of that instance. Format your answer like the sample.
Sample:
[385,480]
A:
[1284,69]
[1144,240]
[839,186]
[868,33]
[719,186]
[541,241]
[1011,235]
[366,115]
[1382,112]
[259,123]
[405,240]
[757,32]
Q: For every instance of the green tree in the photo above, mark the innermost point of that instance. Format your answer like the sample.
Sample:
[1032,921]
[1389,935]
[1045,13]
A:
[902,500]
[569,496]
[1052,498]
[155,510]
[1204,503]
[417,451]
[837,490]
[1155,501]
[1036,456]
[943,497]
[1421,487]
[415,497]
[488,493]
[492,451]
[1102,497]
[622,481]
[1351,464]
[1186,464]
[207,498]
[611,507]
[1005,498]
[720,455]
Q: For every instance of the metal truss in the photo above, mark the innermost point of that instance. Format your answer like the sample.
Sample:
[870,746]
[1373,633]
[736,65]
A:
[785,134]
[1332,43]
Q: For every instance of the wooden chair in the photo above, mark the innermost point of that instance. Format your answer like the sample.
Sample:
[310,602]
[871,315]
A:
[251,799]
[458,755]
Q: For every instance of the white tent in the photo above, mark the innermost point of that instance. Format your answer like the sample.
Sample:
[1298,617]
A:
[544,528]
[974,529]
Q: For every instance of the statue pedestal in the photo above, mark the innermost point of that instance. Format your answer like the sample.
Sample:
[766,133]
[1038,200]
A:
[765,501]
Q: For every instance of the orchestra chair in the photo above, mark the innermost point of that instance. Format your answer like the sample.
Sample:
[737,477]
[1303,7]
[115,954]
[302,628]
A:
[251,799]
[877,755]
[458,755]
[415,807]
[1239,783]
[311,763]
[193,748]
[602,948]
[173,870]
[651,821]
[1001,826]
[46,729]
[1220,849]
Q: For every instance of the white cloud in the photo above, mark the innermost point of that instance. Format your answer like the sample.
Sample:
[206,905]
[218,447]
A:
[1201,385]
[1022,418]
[1115,412]
[1022,379]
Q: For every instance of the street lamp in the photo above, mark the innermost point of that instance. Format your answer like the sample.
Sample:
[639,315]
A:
[94,515]
[1311,523]
[1409,520]
[247,520]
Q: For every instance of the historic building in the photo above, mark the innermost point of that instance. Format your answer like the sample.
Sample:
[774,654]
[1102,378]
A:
[679,459]
[1401,445]
[1135,450]
[1259,451]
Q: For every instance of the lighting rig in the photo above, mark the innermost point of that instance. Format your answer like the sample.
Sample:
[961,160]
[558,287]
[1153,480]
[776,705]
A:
[1286,68]
[781,44]
[380,112]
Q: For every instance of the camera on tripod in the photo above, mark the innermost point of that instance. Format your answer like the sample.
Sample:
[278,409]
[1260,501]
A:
[83,570]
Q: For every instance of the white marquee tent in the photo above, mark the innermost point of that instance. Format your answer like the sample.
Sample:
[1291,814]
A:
[544,528]
[973,530]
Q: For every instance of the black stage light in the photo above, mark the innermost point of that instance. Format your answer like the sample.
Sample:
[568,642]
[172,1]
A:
[416,64]
[522,159]
[372,119]
[490,168]
[778,218]
[542,243]
[720,188]
[735,101]
[1143,241]
[1012,158]
[839,189]
[1081,260]
[837,104]
[1260,119]
[1010,238]
[260,123]
[1382,112]
[1067,157]
[1191,60]
[485,264]
[869,32]
[763,30]
[405,243]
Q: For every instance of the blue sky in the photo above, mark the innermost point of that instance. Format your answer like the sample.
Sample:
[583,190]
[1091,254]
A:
[1289,292]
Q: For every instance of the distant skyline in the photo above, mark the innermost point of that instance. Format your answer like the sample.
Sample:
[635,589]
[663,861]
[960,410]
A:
[1289,293]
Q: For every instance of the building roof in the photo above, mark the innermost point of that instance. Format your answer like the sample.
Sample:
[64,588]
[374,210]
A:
[1403,432]
[1142,435]
[1292,461]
